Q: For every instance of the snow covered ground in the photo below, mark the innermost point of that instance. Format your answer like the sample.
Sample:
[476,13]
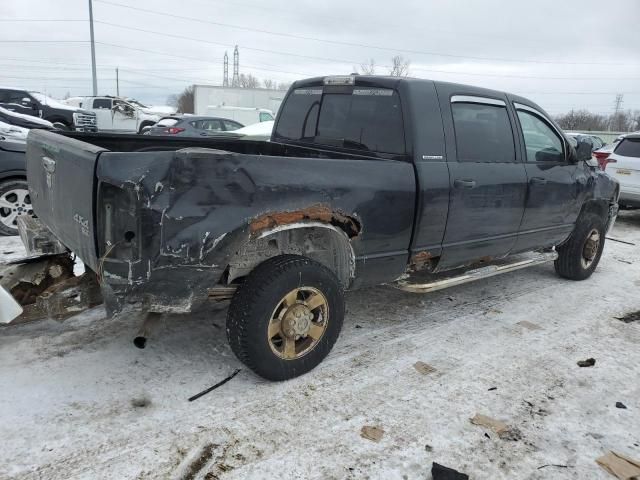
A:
[78,401]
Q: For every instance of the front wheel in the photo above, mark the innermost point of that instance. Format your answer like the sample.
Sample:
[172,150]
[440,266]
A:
[578,257]
[14,201]
[285,317]
[62,126]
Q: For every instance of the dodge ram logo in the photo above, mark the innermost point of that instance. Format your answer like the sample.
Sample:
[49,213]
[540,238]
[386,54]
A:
[49,165]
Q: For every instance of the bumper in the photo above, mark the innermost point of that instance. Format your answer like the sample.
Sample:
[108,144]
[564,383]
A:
[629,198]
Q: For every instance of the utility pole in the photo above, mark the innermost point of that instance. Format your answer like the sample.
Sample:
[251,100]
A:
[117,83]
[93,51]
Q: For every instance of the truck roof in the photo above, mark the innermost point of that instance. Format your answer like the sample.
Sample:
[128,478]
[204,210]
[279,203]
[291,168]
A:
[393,82]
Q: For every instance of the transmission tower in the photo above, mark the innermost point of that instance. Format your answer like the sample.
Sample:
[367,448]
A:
[236,68]
[225,77]
[617,108]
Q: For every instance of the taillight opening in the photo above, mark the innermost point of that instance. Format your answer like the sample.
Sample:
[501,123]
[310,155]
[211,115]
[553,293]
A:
[603,159]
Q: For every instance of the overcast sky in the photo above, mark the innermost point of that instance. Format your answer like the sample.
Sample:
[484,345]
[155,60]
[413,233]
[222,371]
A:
[562,54]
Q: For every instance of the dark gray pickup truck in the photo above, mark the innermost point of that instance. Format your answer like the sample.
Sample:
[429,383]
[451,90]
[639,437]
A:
[366,180]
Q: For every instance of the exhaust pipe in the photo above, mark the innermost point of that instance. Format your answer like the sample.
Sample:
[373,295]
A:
[149,324]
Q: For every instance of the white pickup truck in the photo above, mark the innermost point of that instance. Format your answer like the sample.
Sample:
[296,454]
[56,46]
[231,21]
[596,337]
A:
[117,114]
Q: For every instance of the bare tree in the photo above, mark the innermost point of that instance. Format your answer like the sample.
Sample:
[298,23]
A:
[270,84]
[284,85]
[399,66]
[248,81]
[182,102]
[367,68]
[582,120]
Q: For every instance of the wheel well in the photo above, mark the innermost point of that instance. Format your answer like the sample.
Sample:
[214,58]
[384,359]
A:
[59,120]
[145,123]
[599,207]
[12,177]
[323,243]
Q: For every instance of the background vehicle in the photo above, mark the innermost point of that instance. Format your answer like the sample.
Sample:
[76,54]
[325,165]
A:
[193,126]
[37,104]
[257,131]
[624,165]
[365,179]
[243,115]
[14,193]
[117,114]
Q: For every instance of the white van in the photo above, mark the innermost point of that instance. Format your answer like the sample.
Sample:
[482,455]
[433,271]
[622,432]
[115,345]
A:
[243,115]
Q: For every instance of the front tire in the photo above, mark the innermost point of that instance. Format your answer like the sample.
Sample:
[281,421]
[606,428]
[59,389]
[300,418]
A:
[62,126]
[14,201]
[286,316]
[579,256]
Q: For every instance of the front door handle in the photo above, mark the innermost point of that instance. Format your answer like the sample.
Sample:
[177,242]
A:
[464,183]
[538,181]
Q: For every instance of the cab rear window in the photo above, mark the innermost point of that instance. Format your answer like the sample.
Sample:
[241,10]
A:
[628,147]
[367,119]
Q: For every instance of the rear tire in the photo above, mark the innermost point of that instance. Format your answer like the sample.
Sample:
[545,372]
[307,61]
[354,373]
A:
[14,201]
[285,317]
[578,257]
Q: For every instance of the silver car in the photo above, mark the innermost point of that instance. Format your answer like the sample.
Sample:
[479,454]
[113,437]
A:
[193,126]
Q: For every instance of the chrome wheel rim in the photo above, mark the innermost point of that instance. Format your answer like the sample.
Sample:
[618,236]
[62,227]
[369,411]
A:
[298,323]
[13,204]
[590,249]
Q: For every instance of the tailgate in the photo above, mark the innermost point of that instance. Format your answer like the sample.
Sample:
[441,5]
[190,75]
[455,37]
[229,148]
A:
[61,176]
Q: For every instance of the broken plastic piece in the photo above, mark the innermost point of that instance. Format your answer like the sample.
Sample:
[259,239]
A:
[424,368]
[589,362]
[440,472]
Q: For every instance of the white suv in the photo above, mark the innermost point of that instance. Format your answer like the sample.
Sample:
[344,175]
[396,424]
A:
[624,165]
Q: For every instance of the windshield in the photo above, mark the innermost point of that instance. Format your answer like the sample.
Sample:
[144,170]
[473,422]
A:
[46,100]
[358,119]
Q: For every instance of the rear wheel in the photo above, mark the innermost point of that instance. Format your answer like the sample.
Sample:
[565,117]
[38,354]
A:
[579,256]
[286,316]
[14,202]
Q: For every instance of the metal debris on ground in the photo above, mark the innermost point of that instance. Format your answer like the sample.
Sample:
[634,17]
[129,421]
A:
[630,317]
[504,431]
[372,433]
[529,325]
[589,362]
[621,405]
[424,368]
[620,466]
[492,389]
[440,472]
[620,241]
[210,389]
[552,465]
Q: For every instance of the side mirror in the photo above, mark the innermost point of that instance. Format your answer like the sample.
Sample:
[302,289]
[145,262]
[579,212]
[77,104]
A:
[583,150]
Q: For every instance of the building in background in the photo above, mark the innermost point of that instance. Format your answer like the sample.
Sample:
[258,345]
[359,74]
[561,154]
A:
[206,97]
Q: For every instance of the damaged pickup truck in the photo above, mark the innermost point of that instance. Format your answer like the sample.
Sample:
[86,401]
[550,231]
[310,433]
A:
[366,180]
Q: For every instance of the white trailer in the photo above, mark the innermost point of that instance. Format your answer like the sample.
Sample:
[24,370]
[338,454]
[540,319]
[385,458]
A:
[206,96]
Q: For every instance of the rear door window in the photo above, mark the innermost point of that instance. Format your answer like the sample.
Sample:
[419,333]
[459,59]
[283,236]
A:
[483,133]
[230,126]
[367,119]
[265,117]
[628,147]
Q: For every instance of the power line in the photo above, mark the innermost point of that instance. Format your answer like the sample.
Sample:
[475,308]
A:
[352,44]
[44,41]
[351,62]
[39,20]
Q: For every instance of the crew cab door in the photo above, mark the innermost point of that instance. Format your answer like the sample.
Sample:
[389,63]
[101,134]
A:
[19,102]
[102,109]
[487,178]
[552,199]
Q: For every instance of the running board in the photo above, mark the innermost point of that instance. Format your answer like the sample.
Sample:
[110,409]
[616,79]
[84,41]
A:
[478,273]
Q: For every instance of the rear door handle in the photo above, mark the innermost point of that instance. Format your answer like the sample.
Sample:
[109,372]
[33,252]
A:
[538,181]
[464,183]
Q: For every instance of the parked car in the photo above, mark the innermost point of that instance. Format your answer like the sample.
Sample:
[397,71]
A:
[117,114]
[243,115]
[14,192]
[36,104]
[366,179]
[257,131]
[624,165]
[193,126]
